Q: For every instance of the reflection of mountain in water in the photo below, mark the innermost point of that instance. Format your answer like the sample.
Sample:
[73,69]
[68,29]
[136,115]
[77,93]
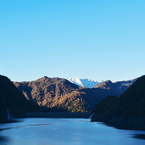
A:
[139,136]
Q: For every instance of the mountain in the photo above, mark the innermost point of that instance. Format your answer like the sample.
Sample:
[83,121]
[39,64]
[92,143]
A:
[88,83]
[119,86]
[58,94]
[127,111]
[46,92]
[12,102]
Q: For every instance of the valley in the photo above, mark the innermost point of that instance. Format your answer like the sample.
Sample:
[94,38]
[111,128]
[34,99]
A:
[57,97]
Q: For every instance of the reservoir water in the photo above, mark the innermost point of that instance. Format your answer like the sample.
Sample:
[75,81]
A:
[50,131]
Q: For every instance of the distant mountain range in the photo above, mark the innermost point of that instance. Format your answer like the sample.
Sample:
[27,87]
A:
[119,86]
[58,94]
[88,83]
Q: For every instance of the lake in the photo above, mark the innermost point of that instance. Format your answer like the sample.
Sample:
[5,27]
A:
[51,131]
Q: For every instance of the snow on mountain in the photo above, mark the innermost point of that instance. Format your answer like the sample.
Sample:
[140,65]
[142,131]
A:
[88,83]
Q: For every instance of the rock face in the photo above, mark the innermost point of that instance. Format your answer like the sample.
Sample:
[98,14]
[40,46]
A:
[57,94]
[128,111]
[12,102]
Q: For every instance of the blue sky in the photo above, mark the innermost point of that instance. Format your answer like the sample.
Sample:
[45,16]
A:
[67,38]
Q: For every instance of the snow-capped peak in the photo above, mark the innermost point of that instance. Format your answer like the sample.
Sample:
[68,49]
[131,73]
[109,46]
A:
[76,81]
[88,83]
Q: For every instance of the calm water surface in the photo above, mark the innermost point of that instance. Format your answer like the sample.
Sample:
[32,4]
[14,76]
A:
[45,131]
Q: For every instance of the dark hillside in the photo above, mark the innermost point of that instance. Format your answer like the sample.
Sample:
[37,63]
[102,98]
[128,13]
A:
[129,111]
[104,104]
[12,101]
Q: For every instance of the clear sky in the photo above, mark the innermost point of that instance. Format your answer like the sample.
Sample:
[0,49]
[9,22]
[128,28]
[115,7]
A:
[95,39]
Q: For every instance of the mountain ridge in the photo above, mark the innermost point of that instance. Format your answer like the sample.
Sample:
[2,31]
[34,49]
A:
[91,83]
[59,94]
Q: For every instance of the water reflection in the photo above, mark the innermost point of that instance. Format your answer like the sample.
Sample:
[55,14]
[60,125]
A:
[17,127]
[66,131]
[4,140]
[139,136]
[5,128]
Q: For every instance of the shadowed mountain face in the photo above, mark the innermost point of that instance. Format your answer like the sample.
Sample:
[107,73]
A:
[56,94]
[128,111]
[119,86]
[12,102]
